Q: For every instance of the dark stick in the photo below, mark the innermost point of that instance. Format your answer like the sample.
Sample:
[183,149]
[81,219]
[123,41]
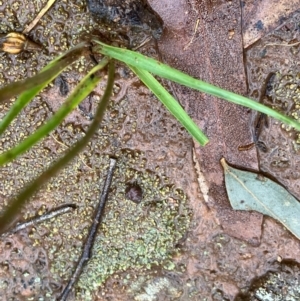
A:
[86,253]
[261,120]
[259,124]
[35,220]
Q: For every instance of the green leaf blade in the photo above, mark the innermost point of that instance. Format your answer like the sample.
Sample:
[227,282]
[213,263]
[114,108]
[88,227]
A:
[45,76]
[51,70]
[248,191]
[82,90]
[171,104]
[140,61]
[14,204]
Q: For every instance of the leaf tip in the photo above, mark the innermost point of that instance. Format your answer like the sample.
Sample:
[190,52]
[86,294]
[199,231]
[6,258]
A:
[224,164]
[206,140]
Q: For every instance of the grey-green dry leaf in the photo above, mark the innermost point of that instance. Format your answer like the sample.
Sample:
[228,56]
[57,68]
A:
[249,191]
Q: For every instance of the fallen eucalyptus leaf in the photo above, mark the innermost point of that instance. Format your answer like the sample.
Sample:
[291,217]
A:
[250,191]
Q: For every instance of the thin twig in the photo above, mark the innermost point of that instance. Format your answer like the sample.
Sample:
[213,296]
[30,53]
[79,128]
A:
[283,44]
[193,36]
[35,220]
[86,253]
[38,17]
[142,44]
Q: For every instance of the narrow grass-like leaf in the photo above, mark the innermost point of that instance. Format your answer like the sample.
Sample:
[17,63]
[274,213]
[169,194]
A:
[140,61]
[15,204]
[83,89]
[19,104]
[50,71]
[56,66]
[248,191]
[172,105]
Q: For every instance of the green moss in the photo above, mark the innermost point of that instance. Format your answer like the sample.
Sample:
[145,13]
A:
[135,235]
[132,236]
[285,96]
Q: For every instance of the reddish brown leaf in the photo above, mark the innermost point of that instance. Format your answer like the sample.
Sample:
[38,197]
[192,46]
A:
[261,17]
[210,48]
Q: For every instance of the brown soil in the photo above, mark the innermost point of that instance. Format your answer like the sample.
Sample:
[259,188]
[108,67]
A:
[200,258]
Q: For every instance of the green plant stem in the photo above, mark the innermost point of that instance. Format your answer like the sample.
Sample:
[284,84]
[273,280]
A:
[50,71]
[19,104]
[14,205]
[56,67]
[172,105]
[142,62]
[83,89]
